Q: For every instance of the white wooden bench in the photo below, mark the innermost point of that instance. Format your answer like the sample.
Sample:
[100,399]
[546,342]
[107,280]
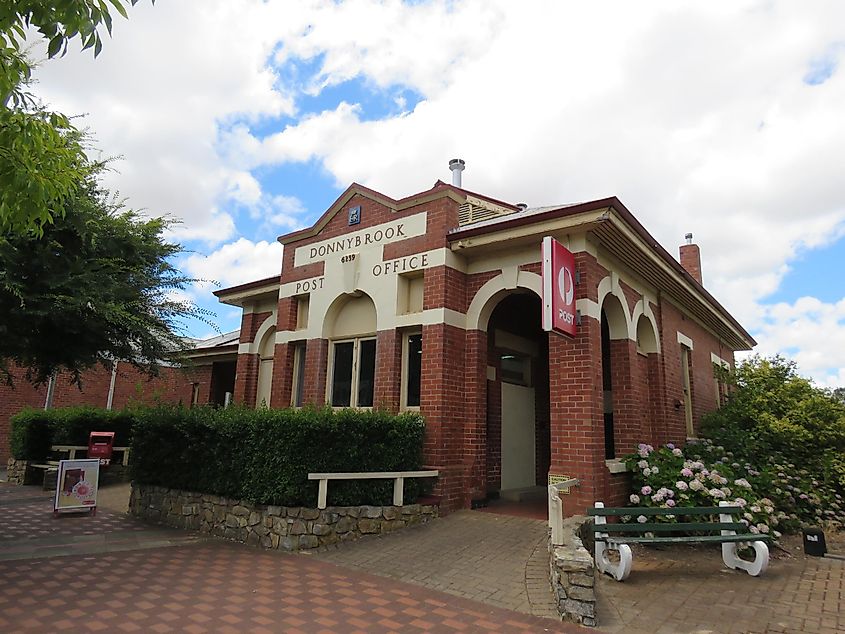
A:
[72,449]
[398,478]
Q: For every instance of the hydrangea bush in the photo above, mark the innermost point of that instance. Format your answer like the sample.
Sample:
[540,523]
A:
[775,498]
[667,478]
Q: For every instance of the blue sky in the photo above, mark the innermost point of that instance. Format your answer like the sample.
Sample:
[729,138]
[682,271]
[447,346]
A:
[249,118]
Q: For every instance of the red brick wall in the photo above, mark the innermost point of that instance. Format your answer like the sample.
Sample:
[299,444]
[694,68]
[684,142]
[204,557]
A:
[388,379]
[173,385]
[316,362]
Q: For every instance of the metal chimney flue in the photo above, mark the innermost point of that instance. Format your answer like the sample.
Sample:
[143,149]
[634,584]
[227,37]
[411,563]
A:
[457,166]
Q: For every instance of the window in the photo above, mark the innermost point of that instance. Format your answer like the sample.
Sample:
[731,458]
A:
[687,386]
[296,393]
[353,373]
[515,368]
[411,369]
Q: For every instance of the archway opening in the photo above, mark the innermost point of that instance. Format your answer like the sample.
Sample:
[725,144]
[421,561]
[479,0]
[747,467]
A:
[518,421]
[351,327]
[613,327]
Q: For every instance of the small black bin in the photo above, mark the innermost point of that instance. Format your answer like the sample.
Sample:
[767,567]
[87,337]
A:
[814,543]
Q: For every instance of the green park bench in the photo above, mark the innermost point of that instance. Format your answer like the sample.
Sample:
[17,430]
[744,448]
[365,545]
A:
[727,531]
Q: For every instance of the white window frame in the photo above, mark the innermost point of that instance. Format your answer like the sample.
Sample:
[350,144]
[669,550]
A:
[403,396]
[299,348]
[356,359]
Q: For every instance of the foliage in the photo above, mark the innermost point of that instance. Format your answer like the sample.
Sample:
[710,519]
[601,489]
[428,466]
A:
[777,434]
[794,434]
[704,476]
[265,455]
[97,285]
[41,160]
[35,430]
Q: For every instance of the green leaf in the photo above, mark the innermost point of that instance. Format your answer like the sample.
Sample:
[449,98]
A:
[55,45]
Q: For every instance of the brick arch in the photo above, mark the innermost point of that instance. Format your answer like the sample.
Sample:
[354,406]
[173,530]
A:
[643,311]
[489,295]
[609,286]
[266,325]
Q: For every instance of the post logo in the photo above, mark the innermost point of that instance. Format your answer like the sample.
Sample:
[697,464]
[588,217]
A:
[558,265]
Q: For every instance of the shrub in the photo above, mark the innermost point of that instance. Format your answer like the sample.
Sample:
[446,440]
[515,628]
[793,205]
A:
[35,430]
[794,435]
[704,476]
[265,455]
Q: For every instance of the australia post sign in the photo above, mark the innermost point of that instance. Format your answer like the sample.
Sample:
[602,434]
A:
[558,287]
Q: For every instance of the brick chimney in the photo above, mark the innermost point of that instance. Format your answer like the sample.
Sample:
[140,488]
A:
[691,258]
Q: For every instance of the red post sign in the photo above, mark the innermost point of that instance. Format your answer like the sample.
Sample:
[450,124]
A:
[558,288]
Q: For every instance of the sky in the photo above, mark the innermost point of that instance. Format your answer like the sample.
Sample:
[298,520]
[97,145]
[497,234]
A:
[244,120]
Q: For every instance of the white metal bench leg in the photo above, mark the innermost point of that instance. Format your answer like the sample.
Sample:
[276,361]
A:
[732,560]
[555,516]
[618,571]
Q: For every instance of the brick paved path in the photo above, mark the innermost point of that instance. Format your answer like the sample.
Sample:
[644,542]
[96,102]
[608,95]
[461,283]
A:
[63,578]
[496,559]
[682,589]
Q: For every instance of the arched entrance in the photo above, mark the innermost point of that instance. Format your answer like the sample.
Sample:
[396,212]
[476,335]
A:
[518,440]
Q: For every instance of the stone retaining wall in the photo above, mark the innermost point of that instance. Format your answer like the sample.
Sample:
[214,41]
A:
[16,471]
[276,527]
[572,575]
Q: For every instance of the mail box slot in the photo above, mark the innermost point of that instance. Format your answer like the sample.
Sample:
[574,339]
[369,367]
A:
[100,445]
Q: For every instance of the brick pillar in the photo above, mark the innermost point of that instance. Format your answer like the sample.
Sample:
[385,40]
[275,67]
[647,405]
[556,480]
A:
[577,422]
[316,362]
[442,401]
[627,402]
[388,379]
[475,426]
[246,379]
[280,391]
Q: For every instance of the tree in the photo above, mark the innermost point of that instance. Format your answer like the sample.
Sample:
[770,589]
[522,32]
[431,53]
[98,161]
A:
[97,285]
[41,160]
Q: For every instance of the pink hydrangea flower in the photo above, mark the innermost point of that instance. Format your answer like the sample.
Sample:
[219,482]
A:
[646,490]
[642,519]
[670,503]
[687,473]
[681,485]
[635,499]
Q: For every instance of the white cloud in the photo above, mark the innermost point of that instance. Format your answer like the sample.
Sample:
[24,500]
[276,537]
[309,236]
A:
[810,331]
[700,116]
[236,262]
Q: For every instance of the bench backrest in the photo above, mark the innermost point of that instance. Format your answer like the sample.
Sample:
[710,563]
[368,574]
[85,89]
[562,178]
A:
[638,528]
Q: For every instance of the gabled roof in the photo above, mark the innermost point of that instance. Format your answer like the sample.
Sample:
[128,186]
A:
[636,250]
[440,190]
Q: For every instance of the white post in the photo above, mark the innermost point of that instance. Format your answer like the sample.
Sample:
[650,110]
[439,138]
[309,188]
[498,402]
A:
[555,516]
[322,493]
[398,491]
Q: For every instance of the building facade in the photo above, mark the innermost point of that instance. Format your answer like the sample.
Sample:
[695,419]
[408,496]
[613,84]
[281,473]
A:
[433,303]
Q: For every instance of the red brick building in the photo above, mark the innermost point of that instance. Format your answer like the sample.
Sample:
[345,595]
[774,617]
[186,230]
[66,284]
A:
[433,302]
[206,376]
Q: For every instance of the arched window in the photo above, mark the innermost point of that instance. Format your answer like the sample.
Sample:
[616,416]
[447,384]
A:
[352,358]
[265,369]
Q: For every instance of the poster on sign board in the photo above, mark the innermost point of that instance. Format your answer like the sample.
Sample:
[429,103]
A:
[76,486]
[558,288]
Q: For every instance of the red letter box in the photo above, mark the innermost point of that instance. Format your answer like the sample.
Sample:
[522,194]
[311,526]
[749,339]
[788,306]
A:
[100,445]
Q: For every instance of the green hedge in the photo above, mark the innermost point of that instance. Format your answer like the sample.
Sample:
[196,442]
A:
[265,455]
[34,430]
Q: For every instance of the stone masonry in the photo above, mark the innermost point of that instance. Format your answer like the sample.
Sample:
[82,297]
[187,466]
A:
[572,575]
[273,527]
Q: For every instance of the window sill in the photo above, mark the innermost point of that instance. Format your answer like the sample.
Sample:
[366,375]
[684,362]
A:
[616,466]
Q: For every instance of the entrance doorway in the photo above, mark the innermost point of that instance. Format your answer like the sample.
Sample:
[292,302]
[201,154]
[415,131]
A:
[518,430]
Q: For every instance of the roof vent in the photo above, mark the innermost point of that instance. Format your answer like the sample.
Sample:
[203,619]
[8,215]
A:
[522,206]
[457,166]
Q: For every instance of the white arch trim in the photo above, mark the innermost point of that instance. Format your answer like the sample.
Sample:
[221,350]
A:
[254,346]
[482,305]
[643,309]
[610,286]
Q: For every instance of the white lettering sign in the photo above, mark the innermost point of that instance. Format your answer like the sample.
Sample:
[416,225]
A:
[401,265]
[377,236]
